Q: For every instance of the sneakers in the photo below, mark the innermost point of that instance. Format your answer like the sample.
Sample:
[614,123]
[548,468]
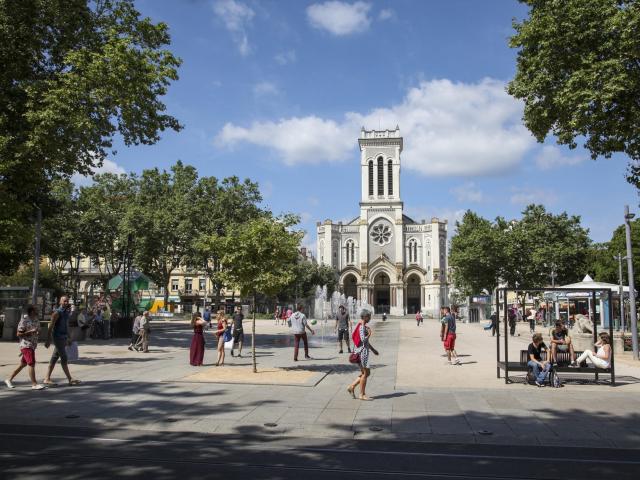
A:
[340,351]
[130,348]
[9,384]
[232,353]
[38,386]
[539,385]
[457,361]
[574,365]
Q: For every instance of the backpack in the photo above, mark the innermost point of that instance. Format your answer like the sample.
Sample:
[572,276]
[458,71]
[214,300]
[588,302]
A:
[554,379]
[355,336]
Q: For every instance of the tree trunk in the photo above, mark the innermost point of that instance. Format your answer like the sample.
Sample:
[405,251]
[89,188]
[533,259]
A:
[253,335]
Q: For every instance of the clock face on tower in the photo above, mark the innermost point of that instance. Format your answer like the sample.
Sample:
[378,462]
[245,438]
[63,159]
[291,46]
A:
[381,234]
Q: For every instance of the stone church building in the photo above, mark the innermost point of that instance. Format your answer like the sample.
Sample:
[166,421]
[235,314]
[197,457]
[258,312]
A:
[383,257]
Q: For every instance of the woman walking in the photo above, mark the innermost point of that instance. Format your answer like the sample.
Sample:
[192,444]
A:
[28,332]
[223,324]
[361,341]
[196,353]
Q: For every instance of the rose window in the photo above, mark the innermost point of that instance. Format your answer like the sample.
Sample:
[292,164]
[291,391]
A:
[381,234]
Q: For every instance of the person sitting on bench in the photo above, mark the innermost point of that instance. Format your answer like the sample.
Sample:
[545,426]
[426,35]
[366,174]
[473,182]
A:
[540,368]
[602,358]
[561,341]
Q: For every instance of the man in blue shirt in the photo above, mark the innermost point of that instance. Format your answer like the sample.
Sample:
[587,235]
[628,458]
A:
[207,316]
[59,333]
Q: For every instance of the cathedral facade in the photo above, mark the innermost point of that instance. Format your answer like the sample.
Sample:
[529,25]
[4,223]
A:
[383,257]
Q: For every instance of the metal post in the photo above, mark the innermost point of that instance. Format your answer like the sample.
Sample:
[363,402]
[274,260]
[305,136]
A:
[632,288]
[595,324]
[36,257]
[498,332]
[613,371]
[619,258]
[506,338]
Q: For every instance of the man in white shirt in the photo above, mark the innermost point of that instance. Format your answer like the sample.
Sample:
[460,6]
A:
[298,325]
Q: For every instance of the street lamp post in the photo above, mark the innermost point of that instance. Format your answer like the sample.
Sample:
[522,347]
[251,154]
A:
[620,258]
[632,288]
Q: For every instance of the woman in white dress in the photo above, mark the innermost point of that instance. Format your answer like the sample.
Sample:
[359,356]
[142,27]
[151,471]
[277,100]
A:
[362,348]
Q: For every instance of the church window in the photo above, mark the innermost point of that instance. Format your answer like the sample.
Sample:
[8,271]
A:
[413,251]
[390,178]
[380,176]
[370,178]
[351,251]
[381,234]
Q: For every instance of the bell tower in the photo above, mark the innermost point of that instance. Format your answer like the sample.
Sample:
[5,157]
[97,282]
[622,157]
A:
[380,166]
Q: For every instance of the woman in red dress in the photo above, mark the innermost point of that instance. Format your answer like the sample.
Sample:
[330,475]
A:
[196,353]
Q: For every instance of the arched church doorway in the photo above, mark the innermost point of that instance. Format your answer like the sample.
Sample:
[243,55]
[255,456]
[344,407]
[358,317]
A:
[381,293]
[350,286]
[413,294]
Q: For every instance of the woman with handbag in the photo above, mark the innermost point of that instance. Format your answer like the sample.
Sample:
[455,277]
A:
[223,334]
[361,341]
[196,352]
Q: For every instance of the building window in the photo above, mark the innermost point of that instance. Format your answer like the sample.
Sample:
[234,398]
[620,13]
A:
[380,176]
[381,234]
[174,285]
[413,250]
[390,178]
[370,178]
[202,284]
[351,251]
[188,285]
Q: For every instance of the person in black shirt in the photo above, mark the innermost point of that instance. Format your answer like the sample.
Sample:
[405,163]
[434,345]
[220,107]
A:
[540,368]
[238,332]
[561,341]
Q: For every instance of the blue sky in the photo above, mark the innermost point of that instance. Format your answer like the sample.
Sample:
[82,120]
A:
[277,91]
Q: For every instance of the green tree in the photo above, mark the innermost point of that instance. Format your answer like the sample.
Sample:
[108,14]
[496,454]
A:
[162,221]
[219,204]
[476,254]
[306,277]
[520,253]
[603,266]
[578,73]
[102,207]
[259,256]
[75,73]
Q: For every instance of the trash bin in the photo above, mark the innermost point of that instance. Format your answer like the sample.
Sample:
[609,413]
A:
[11,320]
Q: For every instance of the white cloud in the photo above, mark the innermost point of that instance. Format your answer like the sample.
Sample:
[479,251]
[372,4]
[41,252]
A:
[465,129]
[108,166]
[468,192]
[305,217]
[236,17]
[283,58]
[265,88]
[527,196]
[340,18]
[386,14]
[552,157]
[297,140]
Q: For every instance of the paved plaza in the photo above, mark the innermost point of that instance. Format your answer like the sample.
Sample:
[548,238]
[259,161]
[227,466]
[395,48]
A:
[416,395]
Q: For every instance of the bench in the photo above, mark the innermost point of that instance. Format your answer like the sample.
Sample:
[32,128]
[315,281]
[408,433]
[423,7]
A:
[564,359]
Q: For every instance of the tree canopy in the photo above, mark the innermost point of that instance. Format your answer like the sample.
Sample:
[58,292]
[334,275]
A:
[75,74]
[578,72]
[520,253]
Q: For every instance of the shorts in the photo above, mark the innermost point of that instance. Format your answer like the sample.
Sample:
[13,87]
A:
[450,341]
[28,356]
[562,347]
[343,335]
[59,351]
[238,335]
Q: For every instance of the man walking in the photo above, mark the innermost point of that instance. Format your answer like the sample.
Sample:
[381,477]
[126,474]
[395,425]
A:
[28,331]
[419,318]
[145,330]
[207,316]
[299,323]
[238,332]
[449,337]
[343,327]
[59,334]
